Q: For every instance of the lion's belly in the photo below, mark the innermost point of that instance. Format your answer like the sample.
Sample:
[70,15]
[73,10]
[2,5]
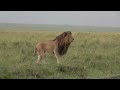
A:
[49,48]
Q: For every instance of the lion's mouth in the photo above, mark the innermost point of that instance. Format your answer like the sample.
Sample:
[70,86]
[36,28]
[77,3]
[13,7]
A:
[72,40]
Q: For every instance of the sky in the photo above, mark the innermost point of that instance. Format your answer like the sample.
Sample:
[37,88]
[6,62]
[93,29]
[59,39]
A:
[87,18]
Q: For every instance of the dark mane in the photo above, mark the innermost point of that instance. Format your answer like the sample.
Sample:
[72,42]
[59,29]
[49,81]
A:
[62,45]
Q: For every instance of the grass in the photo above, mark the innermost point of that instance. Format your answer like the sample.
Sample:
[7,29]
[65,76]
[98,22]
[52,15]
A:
[93,55]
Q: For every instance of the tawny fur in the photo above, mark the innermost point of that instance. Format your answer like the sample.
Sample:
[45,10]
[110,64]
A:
[58,47]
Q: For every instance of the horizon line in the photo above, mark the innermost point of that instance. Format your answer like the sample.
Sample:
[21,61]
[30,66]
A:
[56,24]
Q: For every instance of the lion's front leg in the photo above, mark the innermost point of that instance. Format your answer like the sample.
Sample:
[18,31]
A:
[57,56]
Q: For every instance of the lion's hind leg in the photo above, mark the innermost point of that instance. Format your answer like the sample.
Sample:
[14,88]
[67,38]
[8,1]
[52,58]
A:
[41,55]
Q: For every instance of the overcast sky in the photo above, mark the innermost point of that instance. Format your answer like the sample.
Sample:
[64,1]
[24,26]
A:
[91,18]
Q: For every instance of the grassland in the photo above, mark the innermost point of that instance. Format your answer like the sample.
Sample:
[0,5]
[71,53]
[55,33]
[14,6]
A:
[93,55]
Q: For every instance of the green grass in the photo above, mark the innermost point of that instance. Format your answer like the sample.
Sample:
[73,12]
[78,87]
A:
[92,55]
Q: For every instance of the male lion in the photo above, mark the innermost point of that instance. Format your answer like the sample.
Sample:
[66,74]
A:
[58,47]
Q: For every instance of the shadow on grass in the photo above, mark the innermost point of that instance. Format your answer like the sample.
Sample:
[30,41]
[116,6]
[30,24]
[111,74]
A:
[114,77]
[80,72]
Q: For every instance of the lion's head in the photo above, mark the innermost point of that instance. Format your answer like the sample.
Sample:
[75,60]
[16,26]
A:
[64,40]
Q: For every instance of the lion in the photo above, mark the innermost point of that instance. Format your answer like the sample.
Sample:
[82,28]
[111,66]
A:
[58,46]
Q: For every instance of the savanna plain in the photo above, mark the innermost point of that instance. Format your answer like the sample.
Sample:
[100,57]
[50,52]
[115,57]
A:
[92,55]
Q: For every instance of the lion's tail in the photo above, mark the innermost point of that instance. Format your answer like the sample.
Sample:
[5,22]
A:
[35,50]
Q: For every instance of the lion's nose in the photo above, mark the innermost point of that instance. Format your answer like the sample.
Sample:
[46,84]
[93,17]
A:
[73,38]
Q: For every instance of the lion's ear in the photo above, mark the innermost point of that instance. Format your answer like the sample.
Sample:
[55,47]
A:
[69,32]
[64,34]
